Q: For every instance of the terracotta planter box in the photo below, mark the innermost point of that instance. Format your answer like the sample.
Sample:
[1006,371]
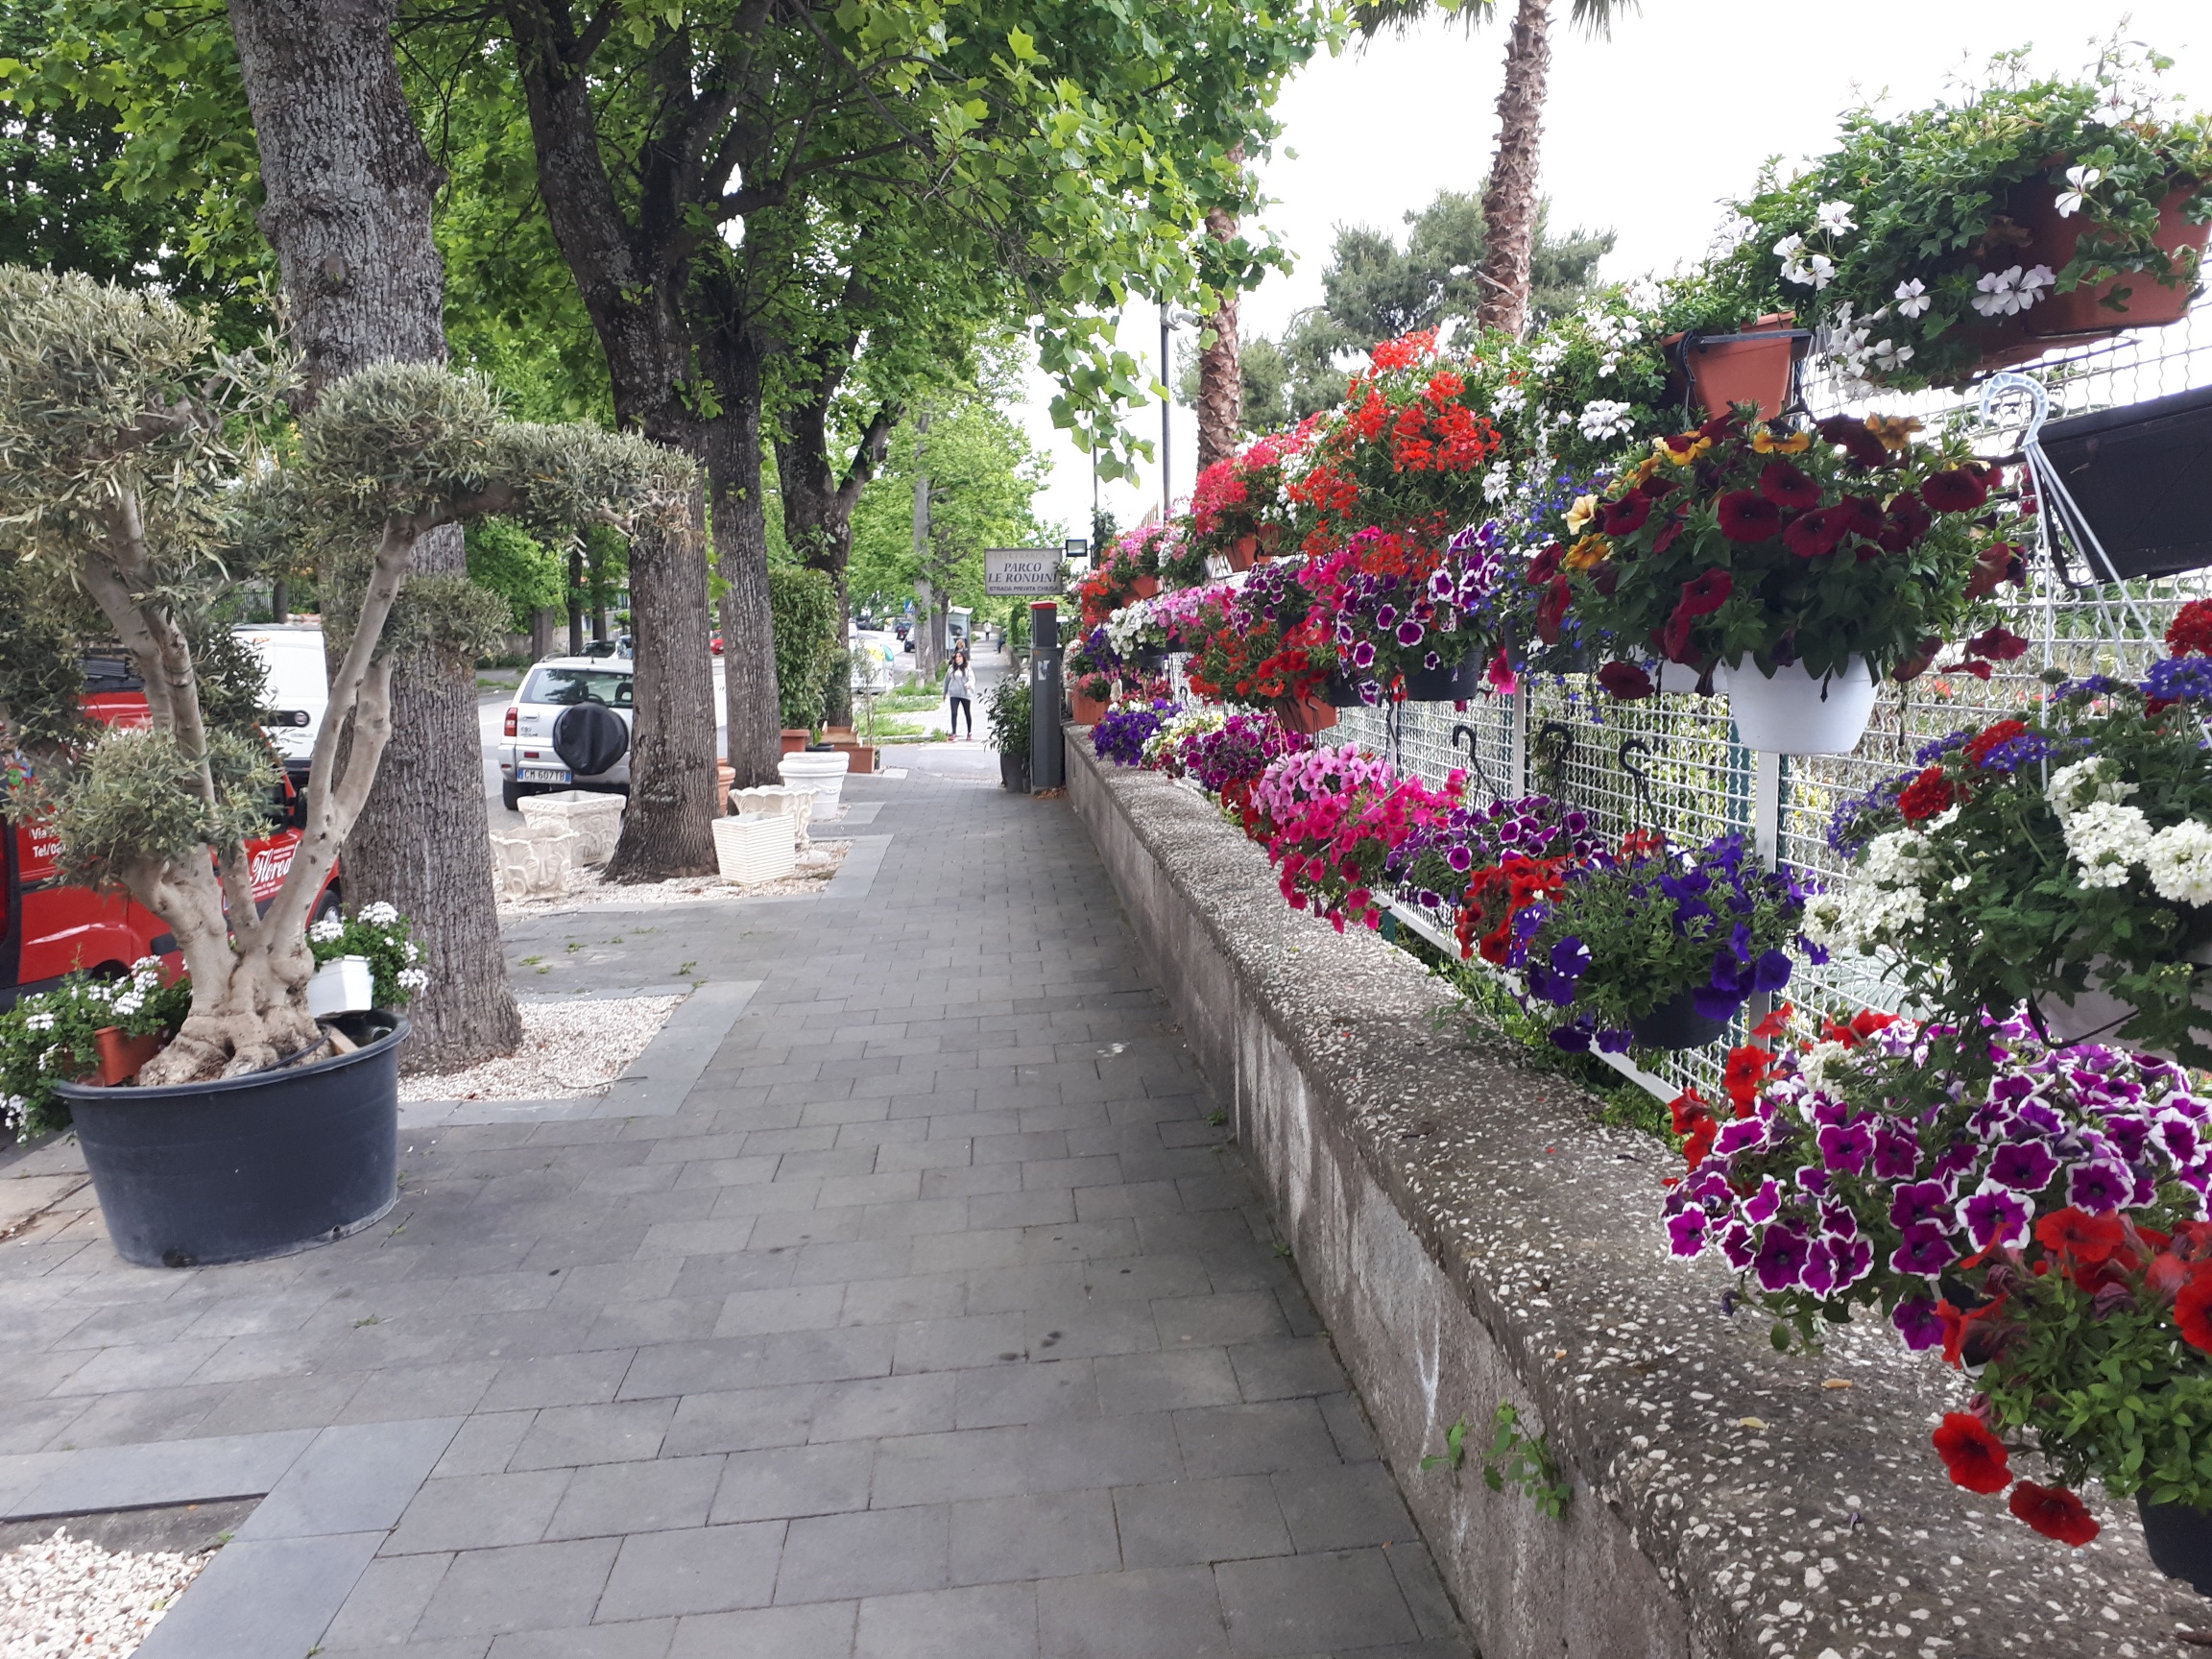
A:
[863,756]
[2083,314]
[121,1056]
[795,738]
[725,775]
[1308,715]
[1755,369]
[1145,587]
[1088,711]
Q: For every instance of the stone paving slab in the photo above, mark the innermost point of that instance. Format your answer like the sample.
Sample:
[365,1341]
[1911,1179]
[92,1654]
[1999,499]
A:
[937,1318]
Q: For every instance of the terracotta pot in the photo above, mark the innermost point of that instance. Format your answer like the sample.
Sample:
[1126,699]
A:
[121,1056]
[1755,371]
[863,756]
[1145,587]
[2082,313]
[725,775]
[1241,554]
[1089,711]
[795,738]
[838,735]
[1308,714]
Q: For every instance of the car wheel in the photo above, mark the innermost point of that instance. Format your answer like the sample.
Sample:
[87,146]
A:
[332,903]
[511,795]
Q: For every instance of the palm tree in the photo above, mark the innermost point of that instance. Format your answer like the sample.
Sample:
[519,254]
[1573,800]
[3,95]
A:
[1510,199]
[1220,360]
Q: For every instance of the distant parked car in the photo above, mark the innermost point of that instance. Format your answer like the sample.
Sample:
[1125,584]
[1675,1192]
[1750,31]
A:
[618,646]
[569,728]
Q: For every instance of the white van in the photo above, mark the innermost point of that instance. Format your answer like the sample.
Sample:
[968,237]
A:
[298,690]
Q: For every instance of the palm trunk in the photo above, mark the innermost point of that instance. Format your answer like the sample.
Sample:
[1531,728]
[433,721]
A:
[1511,196]
[348,187]
[1221,368]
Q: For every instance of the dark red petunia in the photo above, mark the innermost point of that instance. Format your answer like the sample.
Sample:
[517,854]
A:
[1811,535]
[1707,591]
[1787,486]
[2189,634]
[1545,565]
[1674,527]
[1625,516]
[2055,1512]
[1998,644]
[2193,1311]
[1721,425]
[1627,683]
[1925,796]
[1552,610]
[1674,637]
[1859,515]
[1999,562]
[1746,516]
[1852,437]
[1921,658]
[1958,490]
[1975,1459]
[1909,520]
[2077,1233]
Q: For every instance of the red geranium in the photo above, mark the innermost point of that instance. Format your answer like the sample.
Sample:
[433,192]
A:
[1746,516]
[2055,1512]
[2193,1311]
[2191,632]
[1990,737]
[1975,1459]
[1926,795]
[1746,1068]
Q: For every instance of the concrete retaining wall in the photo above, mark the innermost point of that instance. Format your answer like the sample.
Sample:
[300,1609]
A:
[1472,1236]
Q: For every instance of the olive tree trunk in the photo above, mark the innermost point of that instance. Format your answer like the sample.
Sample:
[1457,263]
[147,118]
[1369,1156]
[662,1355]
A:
[1510,199]
[348,191]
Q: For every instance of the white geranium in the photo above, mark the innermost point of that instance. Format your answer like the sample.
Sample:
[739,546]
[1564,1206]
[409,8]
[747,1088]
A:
[2075,196]
[1642,294]
[379,914]
[1912,297]
[2179,862]
[413,978]
[1510,400]
[1834,217]
[1545,356]
[1188,724]
[2107,841]
[1604,417]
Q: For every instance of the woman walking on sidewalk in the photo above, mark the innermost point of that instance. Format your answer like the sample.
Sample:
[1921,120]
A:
[960,694]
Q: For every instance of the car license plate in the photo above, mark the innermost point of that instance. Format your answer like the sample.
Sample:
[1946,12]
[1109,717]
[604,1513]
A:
[543,774]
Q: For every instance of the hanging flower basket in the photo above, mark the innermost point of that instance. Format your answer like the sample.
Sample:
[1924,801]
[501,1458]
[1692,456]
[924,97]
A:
[1453,682]
[2134,472]
[2131,299]
[1755,364]
[1676,1025]
[1790,712]
[1308,714]
[2179,1541]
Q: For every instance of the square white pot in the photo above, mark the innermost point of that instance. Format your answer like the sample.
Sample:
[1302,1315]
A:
[756,846]
[343,986]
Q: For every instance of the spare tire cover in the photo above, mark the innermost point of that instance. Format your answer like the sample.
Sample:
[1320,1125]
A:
[590,738]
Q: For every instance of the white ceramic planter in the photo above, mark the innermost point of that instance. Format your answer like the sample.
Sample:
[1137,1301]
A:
[534,862]
[822,773]
[344,985]
[596,818]
[1793,714]
[1676,677]
[755,847]
[796,805]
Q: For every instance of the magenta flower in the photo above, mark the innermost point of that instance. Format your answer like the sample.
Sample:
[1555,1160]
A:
[1927,1250]
[1995,1215]
[1918,1323]
[2024,1165]
[1759,1208]
[1409,632]
[1896,1153]
[1781,1258]
[1687,1232]
[1921,1201]
[2099,1186]
[1846,1149]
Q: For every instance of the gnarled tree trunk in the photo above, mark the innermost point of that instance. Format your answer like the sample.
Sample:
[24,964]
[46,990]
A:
[1511,198]
[349,197]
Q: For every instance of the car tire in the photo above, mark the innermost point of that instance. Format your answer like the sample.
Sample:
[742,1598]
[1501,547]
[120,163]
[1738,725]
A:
[511,795]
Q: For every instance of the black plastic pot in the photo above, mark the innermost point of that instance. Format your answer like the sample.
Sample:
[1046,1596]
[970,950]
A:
[1457,683]
[1677,1024]
[1338,692]
[242,1168]
[1014,772]
[2135,474]
[1149,658]
[2180,1540]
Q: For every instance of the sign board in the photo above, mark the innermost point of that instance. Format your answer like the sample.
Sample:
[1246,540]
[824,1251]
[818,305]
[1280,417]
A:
[1016,572]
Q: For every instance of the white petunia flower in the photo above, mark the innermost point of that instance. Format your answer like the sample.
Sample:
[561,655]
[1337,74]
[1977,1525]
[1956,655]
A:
[1912,297]
[2075,196]
[2107,841]
[1835,217]
[1497,484]
[2179,862]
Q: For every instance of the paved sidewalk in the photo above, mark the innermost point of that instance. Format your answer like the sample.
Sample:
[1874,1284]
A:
[937,1321]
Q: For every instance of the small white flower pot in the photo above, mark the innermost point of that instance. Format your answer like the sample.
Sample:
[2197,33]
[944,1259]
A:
[344,986]
[1793,714]
[822,773]
[1681,680]
[756,846]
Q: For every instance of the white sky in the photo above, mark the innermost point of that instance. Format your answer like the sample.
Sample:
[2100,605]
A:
[1645,134]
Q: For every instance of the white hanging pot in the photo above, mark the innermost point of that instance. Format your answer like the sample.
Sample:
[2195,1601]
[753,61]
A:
[344,985]
[1790,712]
[2095,1016]
[1682,679]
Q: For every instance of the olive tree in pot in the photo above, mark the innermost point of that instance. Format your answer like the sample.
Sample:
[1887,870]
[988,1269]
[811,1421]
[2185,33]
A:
[145,473]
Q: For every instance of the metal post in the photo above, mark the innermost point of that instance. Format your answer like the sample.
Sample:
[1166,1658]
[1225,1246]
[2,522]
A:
[1166,403]
[1044,737]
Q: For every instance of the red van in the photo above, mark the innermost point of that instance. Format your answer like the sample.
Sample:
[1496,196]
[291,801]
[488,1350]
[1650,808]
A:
[47,927]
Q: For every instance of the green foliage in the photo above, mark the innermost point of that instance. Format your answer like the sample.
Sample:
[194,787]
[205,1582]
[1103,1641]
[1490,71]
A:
[137,799]
[48,1037]
[1006,711]
[1525,1462]
[1453,1456]
[519,568]
[803,603]
[379,933]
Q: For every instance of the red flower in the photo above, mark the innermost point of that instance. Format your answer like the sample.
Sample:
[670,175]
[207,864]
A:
[2087,1239]
[2191,632]
[1975,1457]
[1810,535]
[1917,663]
[2055,1512]
[1545,565]
[1625,515]
[1909,520]
[1859,515]
[1675,524]
[1746,516]
[1853,439]
[1674,637]
[1960,490]
[1999,562]
[1991,737]
[1627,683]
[1786,486]
[2193,1311]
[1925,796]
[1746,1069]
[1706,592]
[1999,645]
[1552,610]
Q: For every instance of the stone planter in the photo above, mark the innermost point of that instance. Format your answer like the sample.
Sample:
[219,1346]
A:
[595,820]
[725,775]
[1790,712]
[755,847]
[1014,772]
[532,862]
[821,770]
[796,805]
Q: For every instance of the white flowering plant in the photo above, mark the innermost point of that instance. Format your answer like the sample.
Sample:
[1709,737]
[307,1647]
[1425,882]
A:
[2032,859]
[380,933]
[49,1036]
[1919,243]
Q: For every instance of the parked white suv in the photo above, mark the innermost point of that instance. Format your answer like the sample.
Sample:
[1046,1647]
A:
[569,728]
[297,690]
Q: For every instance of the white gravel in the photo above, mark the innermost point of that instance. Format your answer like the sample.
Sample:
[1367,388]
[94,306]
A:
[68,1598]
[570,1050]
[591,892]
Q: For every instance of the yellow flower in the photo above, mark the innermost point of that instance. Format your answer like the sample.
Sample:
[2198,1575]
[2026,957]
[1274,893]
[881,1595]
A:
[1894,430]
[1643,470]
[1767,442]
[1580,513]
[1590,551]
[1683,448]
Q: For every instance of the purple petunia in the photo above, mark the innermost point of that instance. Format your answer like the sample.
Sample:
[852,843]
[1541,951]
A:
[1781,1256]
[1927,1250]
[1918,1323]
[2024,1165]
[1687,1232]
[1995,1215]
[2099,1186]
[1846,1149]
[1896,1153]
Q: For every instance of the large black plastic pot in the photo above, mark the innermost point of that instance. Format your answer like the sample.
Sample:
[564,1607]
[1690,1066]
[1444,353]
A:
[1339,692]
[246,1166]
[2180,1540]
[2136,474]
[1677,1024]
[1014,772]
[1457,682]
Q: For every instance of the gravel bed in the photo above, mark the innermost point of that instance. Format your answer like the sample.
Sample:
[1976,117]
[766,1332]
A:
[593,892]
[570,1050]
[67,1597]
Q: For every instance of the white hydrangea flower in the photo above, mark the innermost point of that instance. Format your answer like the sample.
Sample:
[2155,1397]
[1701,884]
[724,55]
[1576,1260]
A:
[2179,862]
[2107,841]
[324,929]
